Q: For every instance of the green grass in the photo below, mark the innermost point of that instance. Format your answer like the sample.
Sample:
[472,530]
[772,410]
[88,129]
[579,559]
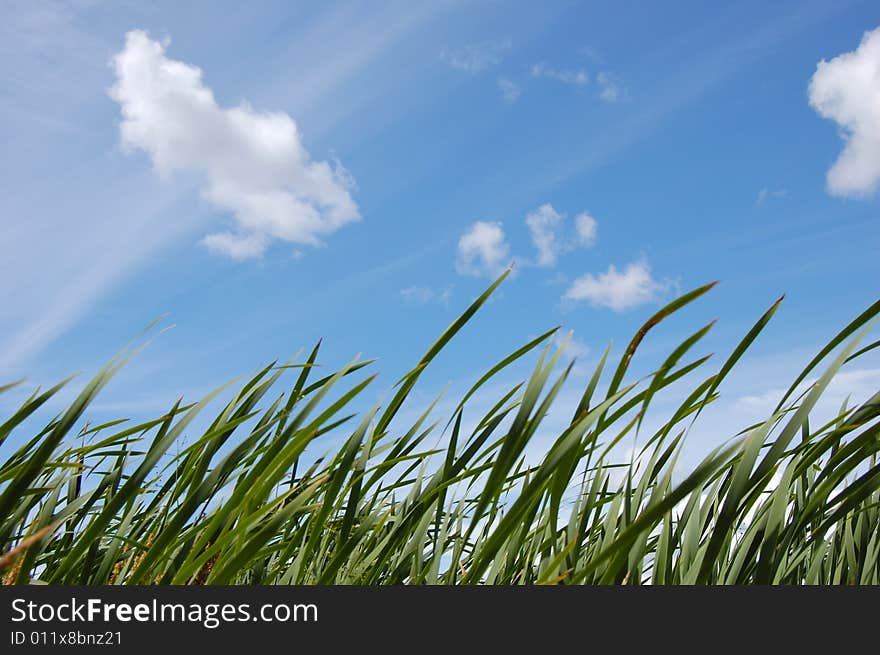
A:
[786,501]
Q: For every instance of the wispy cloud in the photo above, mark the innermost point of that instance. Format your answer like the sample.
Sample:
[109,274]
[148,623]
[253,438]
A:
[586,228]
[854,385]
[510,91]
[679,88]
[618,290]
[483,250]
[578,77]
[847,91]
[317,74]
[254,164]
[767,193]
[575,347]
[610,90]
[544,224]
[608,87]
[478,57]
[425,295]
[75,277]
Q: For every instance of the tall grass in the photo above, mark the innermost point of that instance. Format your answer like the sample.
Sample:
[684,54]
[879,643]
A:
[785,501]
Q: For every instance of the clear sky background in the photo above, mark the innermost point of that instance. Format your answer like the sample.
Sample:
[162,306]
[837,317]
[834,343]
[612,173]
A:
[272,173]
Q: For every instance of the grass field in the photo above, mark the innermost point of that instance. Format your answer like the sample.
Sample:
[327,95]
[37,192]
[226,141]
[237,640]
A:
[785,501]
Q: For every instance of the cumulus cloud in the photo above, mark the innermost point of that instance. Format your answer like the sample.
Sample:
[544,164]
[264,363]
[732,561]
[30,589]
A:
[618,290]
[847,91]
[424,295]
[572,77]
[510,91]
[552,237]
[483,250]
[253,163]
[476,58]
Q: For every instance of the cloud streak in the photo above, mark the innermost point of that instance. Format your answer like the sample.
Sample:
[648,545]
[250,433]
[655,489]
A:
[766,193]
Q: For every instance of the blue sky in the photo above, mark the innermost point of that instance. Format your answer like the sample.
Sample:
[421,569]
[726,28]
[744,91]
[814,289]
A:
[270,173]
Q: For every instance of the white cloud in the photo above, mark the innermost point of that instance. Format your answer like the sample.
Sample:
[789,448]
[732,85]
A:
[483,250]
[254,164]
[120,216]
[609,89]
[572,77]
[477,57]
[425,295]
[618,290]
[510,91]
[847,91]
[552,237]
[575,347]
[855,385]
[586,227]
[766,193]
[544,224]
[238,246]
